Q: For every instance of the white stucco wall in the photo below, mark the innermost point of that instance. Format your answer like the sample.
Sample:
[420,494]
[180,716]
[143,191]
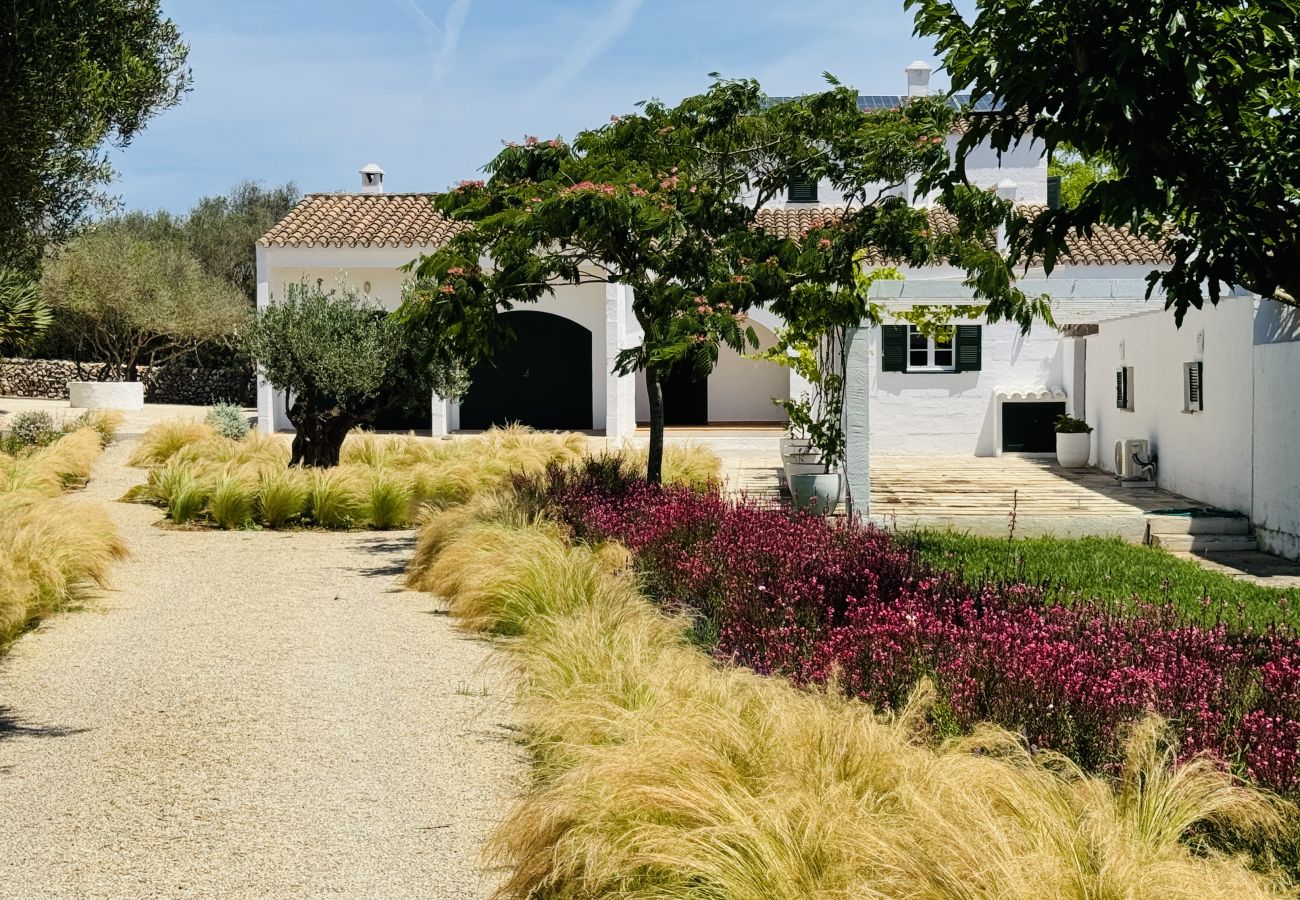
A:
[1276,512]
[335,267]
[1204,455]
[956,413]
[740,389]
[1026,165]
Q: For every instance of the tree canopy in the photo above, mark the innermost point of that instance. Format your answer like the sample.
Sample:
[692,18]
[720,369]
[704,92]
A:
[666,200]
[341,358]
[74,74]
[131,302]
[220,231]
[1195,104]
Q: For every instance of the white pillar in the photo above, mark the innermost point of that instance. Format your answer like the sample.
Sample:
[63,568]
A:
[857,419]
[265,394]
[441,421]
[620,391]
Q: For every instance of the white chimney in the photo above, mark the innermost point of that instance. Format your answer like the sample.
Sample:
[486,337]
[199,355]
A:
[918,79]
[372,179]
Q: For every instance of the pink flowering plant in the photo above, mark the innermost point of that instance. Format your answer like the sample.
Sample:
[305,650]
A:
[825,602]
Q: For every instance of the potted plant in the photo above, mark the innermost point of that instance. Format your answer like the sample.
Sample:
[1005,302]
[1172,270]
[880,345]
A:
[815,478]
[1073,442]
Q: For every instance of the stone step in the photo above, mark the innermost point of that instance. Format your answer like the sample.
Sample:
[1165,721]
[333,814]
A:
[1199,524]
[1205,543]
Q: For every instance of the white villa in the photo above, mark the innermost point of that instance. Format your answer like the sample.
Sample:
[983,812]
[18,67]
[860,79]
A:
[991,390]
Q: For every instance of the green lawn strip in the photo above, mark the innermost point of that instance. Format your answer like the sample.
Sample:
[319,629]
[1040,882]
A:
[1108,570]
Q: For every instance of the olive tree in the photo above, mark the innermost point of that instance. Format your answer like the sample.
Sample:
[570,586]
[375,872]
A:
[129,302]
[343,361]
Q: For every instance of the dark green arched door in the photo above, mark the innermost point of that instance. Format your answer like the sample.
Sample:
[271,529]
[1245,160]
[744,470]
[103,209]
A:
[542,378]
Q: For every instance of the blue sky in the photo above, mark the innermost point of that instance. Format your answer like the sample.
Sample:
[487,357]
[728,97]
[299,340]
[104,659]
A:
[311,90]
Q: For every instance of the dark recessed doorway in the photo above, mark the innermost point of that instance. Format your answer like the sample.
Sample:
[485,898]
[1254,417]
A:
[1029,427]
[542,378]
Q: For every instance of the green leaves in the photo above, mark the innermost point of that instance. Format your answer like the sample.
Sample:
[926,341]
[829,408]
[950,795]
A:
[1194,104]
[23,314]
[74,75]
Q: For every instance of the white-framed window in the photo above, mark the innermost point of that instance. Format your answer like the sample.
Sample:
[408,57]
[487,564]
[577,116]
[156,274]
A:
[932,353]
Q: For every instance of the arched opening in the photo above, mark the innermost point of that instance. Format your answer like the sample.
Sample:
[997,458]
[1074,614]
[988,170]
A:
[541,378]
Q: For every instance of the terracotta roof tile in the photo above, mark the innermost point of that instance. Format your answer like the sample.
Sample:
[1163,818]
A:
[1107,246]
[409,220]
[362,220]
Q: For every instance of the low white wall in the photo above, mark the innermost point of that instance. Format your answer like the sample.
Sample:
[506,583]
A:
[1276,511]
[956,413]
[1204,455]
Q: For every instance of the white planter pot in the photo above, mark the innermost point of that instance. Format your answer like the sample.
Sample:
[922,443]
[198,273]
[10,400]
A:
[804,465]
[794,446]
[127,395]
[817,493]
[1072,450]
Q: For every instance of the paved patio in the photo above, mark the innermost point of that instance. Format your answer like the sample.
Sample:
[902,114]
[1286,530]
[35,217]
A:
[978,494]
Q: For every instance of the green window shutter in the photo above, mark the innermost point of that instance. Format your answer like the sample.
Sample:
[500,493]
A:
[970,353]
[893,348]
[1054,192]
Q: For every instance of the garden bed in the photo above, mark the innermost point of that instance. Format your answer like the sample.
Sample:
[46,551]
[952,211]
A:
[661,773]
[203,478]
[51,548]
[824,602]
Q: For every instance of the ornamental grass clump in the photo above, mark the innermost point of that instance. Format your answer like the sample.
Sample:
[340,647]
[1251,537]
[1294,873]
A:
[662,774]
[51,548]
[389,500]
[231,502]
[335,498]
[282,498]
[382,481]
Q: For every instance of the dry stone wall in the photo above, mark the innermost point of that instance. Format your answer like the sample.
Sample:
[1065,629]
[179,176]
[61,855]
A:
[48,379]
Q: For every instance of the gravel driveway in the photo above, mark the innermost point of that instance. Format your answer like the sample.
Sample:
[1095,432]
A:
[250,715]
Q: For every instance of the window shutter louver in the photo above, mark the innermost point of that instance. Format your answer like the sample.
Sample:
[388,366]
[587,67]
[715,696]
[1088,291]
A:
[803,190]
[970,349]
[1124,388]
[1193,391]
[1054,192]
[893,348]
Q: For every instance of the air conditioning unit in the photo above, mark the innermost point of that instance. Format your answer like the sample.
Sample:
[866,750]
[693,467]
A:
[1127,453]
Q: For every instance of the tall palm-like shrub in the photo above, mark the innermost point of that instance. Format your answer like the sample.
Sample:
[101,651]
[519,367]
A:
[23,314]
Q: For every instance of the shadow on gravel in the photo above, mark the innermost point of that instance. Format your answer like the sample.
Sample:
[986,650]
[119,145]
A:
[401,547]
[11,727]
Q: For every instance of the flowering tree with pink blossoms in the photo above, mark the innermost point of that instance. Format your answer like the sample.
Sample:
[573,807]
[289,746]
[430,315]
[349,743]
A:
[666,200]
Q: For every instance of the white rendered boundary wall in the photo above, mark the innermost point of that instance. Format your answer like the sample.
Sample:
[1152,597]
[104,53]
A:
[1240,451]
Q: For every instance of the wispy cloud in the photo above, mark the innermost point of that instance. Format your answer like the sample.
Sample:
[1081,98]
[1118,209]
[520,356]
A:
[442,39]
[599,36]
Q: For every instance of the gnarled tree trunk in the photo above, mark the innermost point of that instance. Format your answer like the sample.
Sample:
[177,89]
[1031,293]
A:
[320,436]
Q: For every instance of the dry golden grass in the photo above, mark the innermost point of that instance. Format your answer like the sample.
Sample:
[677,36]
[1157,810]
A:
[382,481]
[51,548]
[662,775]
